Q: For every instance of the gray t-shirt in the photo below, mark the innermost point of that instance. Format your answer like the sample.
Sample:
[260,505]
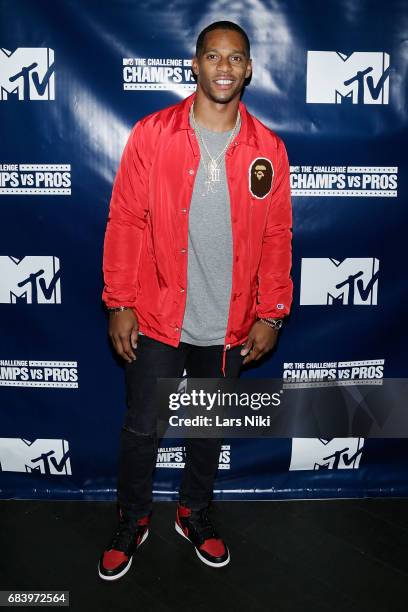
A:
[209,271]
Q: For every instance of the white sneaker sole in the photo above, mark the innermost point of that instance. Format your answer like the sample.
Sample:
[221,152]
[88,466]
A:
[125,569]
[199,555]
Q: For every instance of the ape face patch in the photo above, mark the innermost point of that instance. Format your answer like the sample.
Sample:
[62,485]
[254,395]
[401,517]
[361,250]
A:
[260,177]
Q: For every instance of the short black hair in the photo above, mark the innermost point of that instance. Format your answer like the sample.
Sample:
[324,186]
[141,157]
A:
[222,25]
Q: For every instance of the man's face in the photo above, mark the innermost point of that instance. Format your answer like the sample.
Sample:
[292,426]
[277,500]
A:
[223,65]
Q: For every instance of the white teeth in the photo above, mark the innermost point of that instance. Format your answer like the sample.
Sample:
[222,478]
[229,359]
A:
[223,82]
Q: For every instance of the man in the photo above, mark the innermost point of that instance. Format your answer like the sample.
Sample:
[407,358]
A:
[197,260]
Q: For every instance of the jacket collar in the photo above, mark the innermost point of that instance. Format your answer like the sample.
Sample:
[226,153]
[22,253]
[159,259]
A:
[247,134]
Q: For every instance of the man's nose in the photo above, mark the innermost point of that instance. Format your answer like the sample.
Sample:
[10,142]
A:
[224,64]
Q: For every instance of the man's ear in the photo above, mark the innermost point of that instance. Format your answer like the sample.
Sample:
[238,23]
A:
[194,65]
[249,69]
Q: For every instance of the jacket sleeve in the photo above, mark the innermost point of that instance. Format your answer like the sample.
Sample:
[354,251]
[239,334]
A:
[275,287]
[127,218]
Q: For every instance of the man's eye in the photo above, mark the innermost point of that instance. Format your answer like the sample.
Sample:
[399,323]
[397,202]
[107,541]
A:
[211,56]
[237,58]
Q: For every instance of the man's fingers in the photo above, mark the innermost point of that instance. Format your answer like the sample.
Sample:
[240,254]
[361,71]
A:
[134,337]
[127,349]
[256,353]
[117,345]
[252,355]
[122,350]
[123,331]
[260,354]
[247,347]
[113,340]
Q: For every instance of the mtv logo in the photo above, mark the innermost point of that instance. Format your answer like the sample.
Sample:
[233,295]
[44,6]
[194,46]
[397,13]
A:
[358,78]
[49,457]
[319,454]
[33,280]
[353,281]
[27,74]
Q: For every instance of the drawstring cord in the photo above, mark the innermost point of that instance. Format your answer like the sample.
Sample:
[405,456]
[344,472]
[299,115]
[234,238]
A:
[224,354]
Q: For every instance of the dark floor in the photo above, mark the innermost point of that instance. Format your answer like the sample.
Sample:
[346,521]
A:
[337,555]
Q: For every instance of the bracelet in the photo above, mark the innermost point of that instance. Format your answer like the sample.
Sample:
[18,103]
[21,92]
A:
[275,323]
[119,309]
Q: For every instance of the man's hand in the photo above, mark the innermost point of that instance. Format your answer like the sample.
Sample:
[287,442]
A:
[261,339]
[124,331]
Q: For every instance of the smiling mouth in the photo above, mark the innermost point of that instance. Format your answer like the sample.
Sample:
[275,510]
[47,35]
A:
[224,81]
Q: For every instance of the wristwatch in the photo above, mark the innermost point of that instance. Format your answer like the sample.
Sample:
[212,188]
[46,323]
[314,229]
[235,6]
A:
[275,323]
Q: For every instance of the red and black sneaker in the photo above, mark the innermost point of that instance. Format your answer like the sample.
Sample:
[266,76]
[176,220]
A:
[117,558]
[195,526]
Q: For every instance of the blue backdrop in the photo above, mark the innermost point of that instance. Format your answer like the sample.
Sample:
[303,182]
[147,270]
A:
[330,79]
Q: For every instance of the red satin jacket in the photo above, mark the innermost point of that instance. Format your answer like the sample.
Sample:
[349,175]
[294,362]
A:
[146,239]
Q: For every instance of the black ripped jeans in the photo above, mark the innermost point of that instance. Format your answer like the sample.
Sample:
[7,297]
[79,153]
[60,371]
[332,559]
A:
[139,440]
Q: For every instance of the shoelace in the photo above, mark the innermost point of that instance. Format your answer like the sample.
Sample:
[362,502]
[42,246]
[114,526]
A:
[202,523]
[123,535]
